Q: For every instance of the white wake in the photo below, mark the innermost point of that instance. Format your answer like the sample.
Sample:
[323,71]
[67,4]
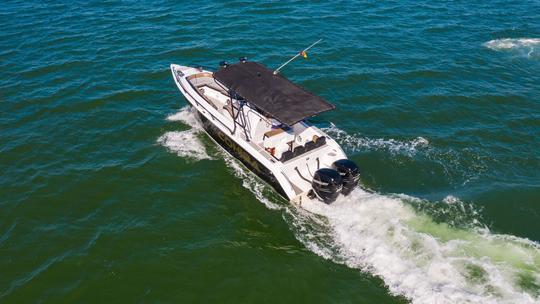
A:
[395,237]
[358,143]
[425,261]
[186,143]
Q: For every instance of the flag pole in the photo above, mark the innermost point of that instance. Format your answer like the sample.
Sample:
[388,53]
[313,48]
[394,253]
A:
[295,56]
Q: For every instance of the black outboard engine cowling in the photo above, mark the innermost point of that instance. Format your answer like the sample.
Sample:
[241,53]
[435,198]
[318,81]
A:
[327,184]
[350,174]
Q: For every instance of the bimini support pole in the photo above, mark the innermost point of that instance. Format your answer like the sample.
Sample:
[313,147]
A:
[296,56]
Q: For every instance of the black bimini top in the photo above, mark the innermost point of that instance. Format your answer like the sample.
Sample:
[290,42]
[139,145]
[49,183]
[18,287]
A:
[273,94]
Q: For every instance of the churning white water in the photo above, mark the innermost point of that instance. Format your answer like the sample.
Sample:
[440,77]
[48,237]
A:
[424,260]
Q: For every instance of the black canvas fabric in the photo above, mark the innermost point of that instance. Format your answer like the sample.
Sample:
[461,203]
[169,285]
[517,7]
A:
[272,94]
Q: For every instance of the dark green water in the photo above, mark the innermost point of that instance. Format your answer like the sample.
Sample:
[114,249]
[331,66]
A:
[109,192]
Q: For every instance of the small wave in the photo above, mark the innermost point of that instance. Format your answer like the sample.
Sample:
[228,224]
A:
[357,143]
[524,46]
[450,199]
[511,43]
[187,116]
[459,166]
[185,143]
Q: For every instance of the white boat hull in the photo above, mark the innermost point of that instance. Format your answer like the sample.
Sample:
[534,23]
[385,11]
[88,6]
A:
[292,178]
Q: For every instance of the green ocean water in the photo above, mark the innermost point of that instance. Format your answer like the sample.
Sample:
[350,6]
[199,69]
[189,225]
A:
[110,192]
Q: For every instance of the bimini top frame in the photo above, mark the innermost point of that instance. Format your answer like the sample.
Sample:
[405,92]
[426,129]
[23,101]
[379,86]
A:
[272,94]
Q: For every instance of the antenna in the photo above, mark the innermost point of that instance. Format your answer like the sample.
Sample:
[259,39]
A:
[295,56]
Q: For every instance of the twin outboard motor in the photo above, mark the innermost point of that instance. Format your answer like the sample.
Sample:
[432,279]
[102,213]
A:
[350,174]
[329,183]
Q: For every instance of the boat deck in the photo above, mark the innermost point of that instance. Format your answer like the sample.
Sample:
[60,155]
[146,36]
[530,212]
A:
[275,144]
[292,153]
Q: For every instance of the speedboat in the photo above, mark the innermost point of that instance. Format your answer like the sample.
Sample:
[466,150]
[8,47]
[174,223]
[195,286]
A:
[259,117]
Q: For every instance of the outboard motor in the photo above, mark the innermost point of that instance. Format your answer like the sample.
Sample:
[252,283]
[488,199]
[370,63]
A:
[350,174]
[326,184]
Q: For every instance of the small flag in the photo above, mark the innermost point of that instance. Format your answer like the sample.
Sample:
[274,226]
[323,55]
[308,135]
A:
[304,54]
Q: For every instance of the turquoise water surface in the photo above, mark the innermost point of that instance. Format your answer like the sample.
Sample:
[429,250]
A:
[110,191]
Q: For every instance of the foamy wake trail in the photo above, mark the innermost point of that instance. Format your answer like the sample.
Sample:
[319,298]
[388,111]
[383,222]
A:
[185,143]
[396,237]
[523,46]
[356,143]
[425,261]
[428,252]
